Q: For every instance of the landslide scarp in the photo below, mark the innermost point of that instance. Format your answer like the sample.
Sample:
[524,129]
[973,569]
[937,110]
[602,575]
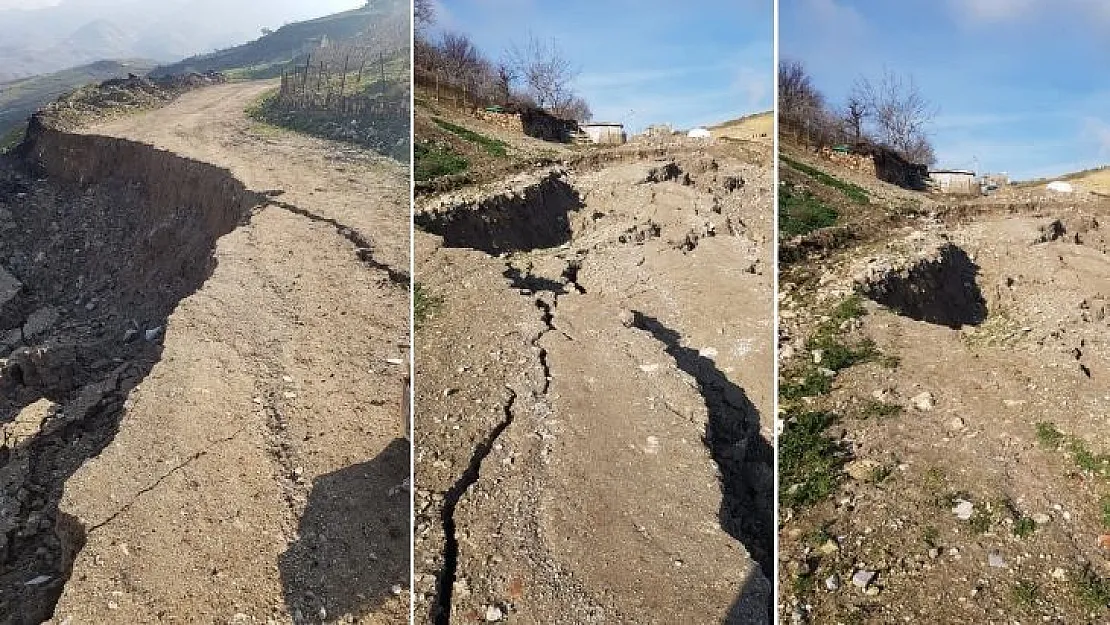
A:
[102,237]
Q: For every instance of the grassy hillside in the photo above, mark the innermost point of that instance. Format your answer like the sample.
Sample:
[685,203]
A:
[1096,180]
[266,56]
[20,98]
[757,127]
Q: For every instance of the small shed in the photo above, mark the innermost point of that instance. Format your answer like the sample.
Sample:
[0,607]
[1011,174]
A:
[606,133]
[956,181]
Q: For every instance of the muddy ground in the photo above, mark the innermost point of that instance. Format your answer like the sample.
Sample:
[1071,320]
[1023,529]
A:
[201,389]
[593,392]
[952,467]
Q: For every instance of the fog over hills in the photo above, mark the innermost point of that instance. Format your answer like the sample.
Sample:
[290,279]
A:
[40,37]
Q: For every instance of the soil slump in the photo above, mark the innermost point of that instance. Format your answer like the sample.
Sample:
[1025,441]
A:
[90,246]
[942,290]
[537,217]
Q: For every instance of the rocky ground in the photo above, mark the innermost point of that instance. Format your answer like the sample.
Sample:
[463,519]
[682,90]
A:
[593,393]
[943,457]
[202,385]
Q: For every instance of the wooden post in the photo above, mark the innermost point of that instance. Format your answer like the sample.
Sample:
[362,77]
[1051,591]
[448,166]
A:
[343,79]
[381,57]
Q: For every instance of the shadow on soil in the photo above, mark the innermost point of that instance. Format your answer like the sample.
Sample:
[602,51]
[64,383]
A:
[943,290]
[353,543]
[536,218]
[746,463]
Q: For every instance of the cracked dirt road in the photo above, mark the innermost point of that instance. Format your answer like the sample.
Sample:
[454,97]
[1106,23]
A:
[593,394]
[257,472]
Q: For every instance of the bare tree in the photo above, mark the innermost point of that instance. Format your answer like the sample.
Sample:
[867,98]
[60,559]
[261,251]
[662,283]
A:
[507,76]
[857,109]
[423,12]
[546,72]
[801,105]
[900,113]
[576,108]
[460,56]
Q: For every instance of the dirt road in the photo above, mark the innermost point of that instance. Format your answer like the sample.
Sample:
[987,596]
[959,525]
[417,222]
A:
[594,392]
[258,472]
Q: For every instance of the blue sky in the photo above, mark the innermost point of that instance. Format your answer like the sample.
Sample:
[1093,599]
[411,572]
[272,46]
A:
[642,61]
[1021,85]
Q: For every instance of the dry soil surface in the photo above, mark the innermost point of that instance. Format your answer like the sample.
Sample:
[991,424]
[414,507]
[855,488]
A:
[593,393]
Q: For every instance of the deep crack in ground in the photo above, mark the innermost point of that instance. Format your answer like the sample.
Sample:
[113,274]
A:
[441,614]
[364,248]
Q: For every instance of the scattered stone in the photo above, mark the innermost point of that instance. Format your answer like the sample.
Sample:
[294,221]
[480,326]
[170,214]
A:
[956,424]
[995,560]
[1041,518]
[923,401]
[9,287]
[963,509]
[39,580]
[1059,574]
[862,578]
[396,589]
[832,583]
[154,334]
[494,614]
[861,470]
[40,321]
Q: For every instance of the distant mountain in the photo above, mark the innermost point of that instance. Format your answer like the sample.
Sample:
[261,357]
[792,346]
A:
[266,55]
[76,32]
[20,98]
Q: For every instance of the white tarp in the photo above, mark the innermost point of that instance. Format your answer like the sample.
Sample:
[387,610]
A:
[1060,187]
[699,133]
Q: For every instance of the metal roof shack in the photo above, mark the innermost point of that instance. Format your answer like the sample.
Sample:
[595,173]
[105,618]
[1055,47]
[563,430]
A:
[956,181]
[607,133]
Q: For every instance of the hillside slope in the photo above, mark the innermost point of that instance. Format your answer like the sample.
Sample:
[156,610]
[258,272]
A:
[267,55]
[19,98]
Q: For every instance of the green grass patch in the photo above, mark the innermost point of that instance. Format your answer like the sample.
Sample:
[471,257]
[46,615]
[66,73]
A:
[800,212]
[981,520]
[434,161]
[879,410]
[1048,435]
[12,138]
[810,384]
[424,304]
[1024,527]
[493,147]
[809,461]
[850,307]
[853,192]
[930,535]
[1024,593]
[1091,588]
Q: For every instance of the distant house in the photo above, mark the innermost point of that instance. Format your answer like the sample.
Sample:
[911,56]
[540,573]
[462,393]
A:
[605,133]
[956,181]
